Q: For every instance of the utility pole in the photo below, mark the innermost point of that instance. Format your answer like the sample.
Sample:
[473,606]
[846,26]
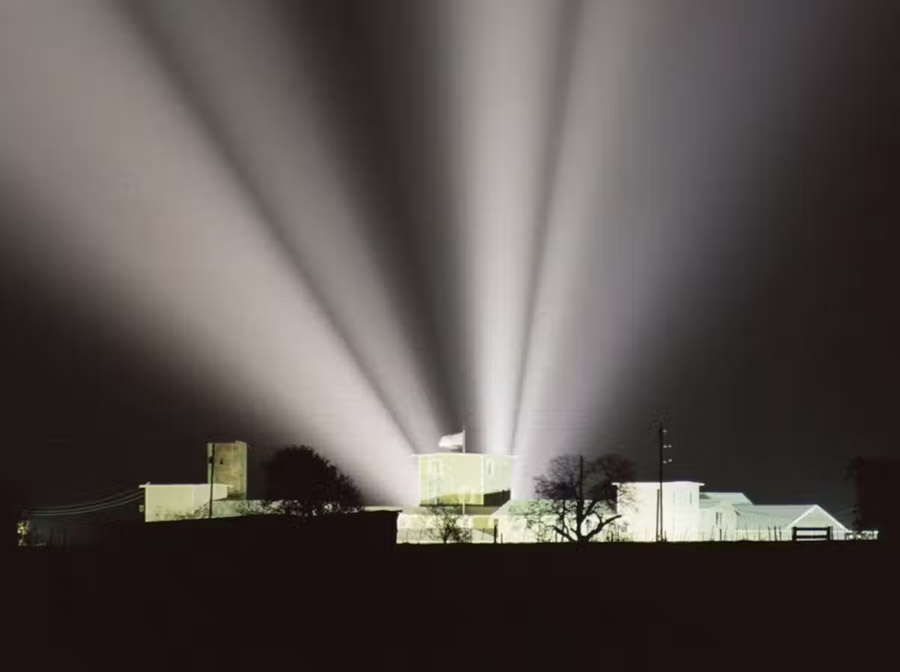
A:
[663,460]
[212,471]
[579,505]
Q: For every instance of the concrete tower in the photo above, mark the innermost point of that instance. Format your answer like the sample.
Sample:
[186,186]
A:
[227,464]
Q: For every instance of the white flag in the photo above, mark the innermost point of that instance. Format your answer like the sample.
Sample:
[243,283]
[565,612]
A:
[453,440]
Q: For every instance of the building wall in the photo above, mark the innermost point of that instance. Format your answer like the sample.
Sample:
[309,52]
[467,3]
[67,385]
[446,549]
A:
[419,527]
[818,518]
[681,510]
[513,528]
[230,467]
[717,523]
[462,477]
[498,472]
[774,530]
[166,502]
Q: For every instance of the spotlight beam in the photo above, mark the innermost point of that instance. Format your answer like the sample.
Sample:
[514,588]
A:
[258,136]
[143,226]
[561,94]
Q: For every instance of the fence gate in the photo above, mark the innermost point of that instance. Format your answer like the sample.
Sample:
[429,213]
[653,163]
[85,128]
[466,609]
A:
[811,533]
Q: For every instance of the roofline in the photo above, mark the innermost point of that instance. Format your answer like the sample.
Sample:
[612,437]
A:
[178,485]
[617,483]
[456,452]
[810,509]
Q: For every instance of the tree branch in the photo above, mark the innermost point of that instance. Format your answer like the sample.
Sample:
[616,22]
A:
[603,524]
[561,531]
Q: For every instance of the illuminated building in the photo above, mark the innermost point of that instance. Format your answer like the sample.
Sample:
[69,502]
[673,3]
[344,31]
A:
[464,478]
[479,485]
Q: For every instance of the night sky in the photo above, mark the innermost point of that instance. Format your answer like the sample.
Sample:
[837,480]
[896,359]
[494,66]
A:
[360,226]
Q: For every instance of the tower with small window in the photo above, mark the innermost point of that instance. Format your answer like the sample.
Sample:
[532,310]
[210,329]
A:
[227,464]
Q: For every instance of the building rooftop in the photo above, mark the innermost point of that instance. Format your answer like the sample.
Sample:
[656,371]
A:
[655,484]
[715,498]
[757,516]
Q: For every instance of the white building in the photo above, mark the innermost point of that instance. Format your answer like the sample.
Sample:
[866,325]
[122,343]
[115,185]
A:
[226,469]
[688,513]
[169,501]
[731,516]
[464,478]
[680,510]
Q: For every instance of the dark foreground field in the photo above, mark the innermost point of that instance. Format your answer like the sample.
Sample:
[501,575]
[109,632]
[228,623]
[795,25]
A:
[756,604]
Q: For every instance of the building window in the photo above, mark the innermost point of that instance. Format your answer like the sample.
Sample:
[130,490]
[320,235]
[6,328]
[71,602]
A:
[490,468]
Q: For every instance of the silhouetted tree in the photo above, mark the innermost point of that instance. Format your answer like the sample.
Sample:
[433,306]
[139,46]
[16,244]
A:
[447,523]
[300,482]
[877,482]
[578,496]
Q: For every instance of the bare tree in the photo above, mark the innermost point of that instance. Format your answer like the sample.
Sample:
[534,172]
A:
[447,524]
[538,517]
[579,497]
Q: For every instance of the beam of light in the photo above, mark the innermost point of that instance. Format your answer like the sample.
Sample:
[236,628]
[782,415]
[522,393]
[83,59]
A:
[651,221]
[191,189]
[504,57]
[555,405]
[140,222]
[257,92]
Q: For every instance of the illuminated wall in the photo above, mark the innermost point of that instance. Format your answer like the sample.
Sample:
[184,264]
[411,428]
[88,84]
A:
[681,510]
[164,502]
[472,478]
[718,521]
[230,467]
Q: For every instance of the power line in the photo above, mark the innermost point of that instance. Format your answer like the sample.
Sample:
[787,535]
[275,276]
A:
[55,514]
[100,500]
[86,508]
[90,505]
[79,512]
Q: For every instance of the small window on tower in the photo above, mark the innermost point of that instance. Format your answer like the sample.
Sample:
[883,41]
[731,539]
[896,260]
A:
[490,468]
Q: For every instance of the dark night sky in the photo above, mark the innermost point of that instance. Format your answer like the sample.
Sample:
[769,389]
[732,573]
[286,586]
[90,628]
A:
[556,221]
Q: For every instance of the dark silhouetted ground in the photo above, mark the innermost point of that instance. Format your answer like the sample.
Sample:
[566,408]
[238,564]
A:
[461,606]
